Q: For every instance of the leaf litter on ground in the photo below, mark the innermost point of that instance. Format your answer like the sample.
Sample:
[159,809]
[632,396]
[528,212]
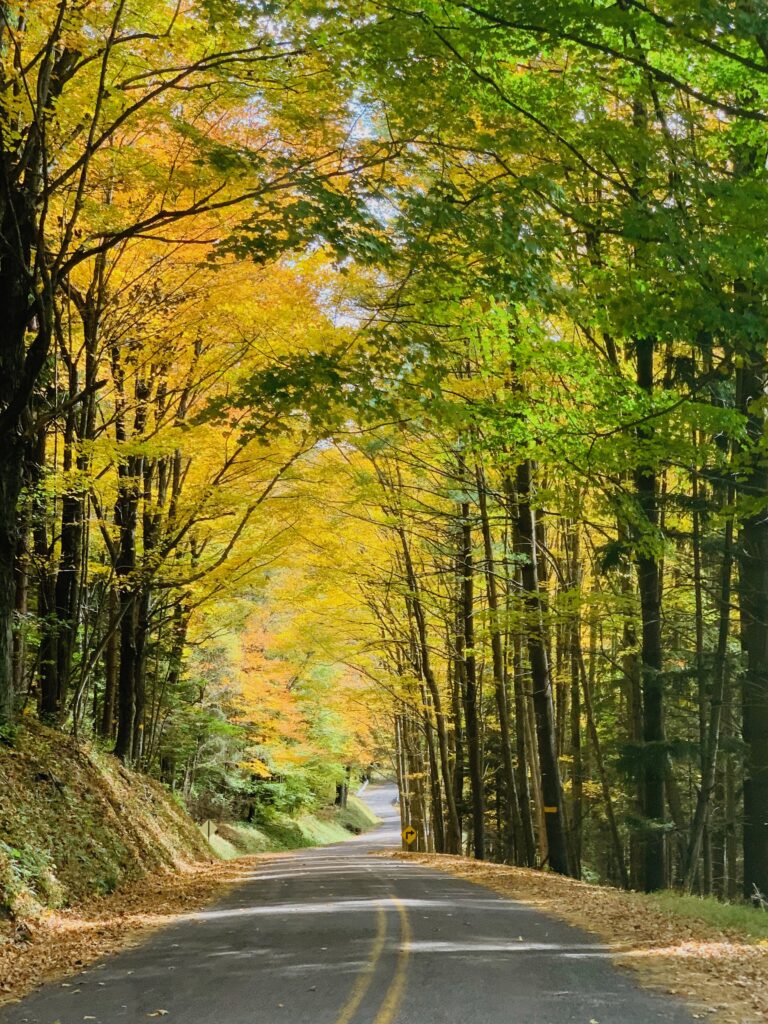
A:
[720,973]
[59,942]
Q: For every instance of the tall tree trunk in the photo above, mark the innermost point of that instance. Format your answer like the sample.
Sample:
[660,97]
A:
[401,771]
[630,674]
[574,651]
[10,489]
[753,605]
[47,658]
[414,763]
[654,755]
[523,785]
[453,836]
[577,798]
[126,518]
[730,814]
[712,731]
[457,687]
[129,493]
[703,843]
[27,292]
[436,797]
[68,579]
[140,670]
[111,652]
[467,646]
[21,609]
[551,785]
[126,679]
[19,231]
[79,426]
[498,661]
[604,785]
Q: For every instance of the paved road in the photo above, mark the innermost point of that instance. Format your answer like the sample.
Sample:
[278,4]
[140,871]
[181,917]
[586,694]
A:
[333,936]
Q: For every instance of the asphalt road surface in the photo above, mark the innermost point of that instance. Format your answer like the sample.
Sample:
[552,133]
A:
[334,936]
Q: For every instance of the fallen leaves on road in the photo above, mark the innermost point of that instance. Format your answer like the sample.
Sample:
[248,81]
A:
[722,975]
[63,941]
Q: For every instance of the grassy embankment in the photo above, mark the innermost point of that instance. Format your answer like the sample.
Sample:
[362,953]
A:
[75,823]
[277,831]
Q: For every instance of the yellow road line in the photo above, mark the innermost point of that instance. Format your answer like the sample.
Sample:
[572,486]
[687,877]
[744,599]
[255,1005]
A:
[363,982]
[396,989]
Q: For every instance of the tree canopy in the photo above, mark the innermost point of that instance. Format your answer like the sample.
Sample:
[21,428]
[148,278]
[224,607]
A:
[386,385]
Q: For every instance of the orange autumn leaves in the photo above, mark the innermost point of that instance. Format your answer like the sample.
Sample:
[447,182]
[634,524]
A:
[301,711]
[272,701]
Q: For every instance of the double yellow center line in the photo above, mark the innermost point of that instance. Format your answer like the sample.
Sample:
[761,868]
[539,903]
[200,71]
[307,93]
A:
[394,994]
[396,988]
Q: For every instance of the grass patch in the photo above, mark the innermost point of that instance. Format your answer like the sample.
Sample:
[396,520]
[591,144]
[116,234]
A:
[319,830]
[276,831]
[224,848]
[357,816]
[735,917]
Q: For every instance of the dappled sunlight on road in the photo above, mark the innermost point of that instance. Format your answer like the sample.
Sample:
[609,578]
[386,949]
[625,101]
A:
[516,948]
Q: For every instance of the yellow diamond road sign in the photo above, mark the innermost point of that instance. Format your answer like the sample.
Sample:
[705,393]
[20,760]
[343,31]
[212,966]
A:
[409,834]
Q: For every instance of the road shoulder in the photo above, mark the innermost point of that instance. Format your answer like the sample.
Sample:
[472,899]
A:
[723,976]
[58,943]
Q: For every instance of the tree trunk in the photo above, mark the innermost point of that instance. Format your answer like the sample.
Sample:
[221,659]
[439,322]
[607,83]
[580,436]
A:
[574,652]
[523,786]
[140,672]
[453,837]
[68,574]
[712,732]
[604,785]
[551,786]
[436,798]
[467,644]
[129,492]
[414,764]
[401,772]
[47,659]
[577,798]
[126,680]
[498,661]
[21,608]
[753,605]
[18,229]
[111,651]
[457,688]
[10,489]
[649,585]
